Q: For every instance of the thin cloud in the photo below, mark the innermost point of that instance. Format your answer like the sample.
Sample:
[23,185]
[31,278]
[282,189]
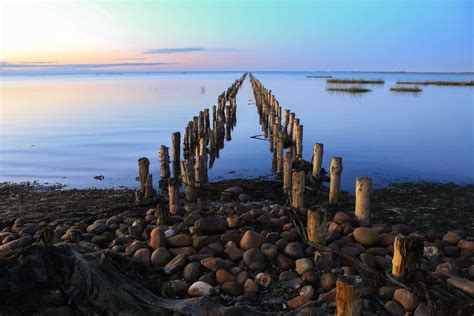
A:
[135,58]
[174,50]
[177,50]
[7,65]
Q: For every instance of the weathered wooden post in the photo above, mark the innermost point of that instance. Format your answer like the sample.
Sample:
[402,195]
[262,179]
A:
[287,167]
[317,160]
[299,142]
[316,226]
[297,189]
[173,192]
[164,163]
[149,186]
[286,120]
[348,295]
[279,151]
[162,215]
[143,171]
[204,159]
[175,154]
[187,168]
[362,200]
[407,254]
[335,169]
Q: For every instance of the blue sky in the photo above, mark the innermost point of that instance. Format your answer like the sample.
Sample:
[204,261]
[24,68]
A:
[98,36]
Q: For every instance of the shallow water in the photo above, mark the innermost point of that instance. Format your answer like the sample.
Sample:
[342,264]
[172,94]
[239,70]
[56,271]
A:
[69,129]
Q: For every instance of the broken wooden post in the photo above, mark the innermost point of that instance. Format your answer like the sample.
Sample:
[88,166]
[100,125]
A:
[299,142]
[407,254]
[173,192]
[316,226]
[279,152]
[348,295]
[187,168]
[164,163]
[335,169]
[143,171]
[149,187]
[287,167]
[286,120]
[362,200]
[297,189]
[175,153]
[162,215]
[317,160]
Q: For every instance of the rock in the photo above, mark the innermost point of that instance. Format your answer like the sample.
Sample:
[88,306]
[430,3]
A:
[386,292]
[242,277]
[160,257]
[287,276]
[157,238]
[377,251]
[29,229]
[251,239]
[281,243]
[284,263]
[16,244]
[245,197]
[234,253]
[294,250]
[270,251]
[187,251]
[422,310]
[452,238]
[327,281]
[177,210]
[394,308]
[307,291]
[328,296]
[263,279]
[142,255]
[431,251]
[368,259]
[213,264]
[250,287]
[231,288]
[294,284]
[175,265]
[450,251]
[447,270]
[341,217]
[462,284]
[386,239]
[234,190]
[210,225]
[322,260]
[254,259]
[310,277]
[222,276]
[303,265]
[402,229]
[200,288]
[406,298]
[170,232]
[181,240]
[366,236]
[471,271]
[192,272]
[466,244]
[100,241]
[178,288]
[297,302]
[97,228]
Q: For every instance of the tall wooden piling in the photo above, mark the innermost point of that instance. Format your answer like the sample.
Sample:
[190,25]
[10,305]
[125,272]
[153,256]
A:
[287,168]
[362,200]
[407,255]
[143,171]
[297,189]
[317,160]
[279,151]
[335,169]
[299,142]
[149,192]
[164,162]
[187,168]
[348,295]
[175,154]
[316,226]
[173,192]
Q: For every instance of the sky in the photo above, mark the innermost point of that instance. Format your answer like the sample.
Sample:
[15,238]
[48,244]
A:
[38,37]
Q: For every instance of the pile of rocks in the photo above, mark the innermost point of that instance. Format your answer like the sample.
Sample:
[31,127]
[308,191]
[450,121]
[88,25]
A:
[246,251]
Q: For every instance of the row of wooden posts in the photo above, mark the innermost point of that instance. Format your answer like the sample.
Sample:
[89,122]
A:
[201,145]
[289,134]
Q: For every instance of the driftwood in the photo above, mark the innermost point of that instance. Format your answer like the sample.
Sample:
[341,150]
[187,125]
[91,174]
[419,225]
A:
[99,282]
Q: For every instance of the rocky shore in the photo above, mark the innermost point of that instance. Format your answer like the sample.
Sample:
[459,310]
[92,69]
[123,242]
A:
[240,249]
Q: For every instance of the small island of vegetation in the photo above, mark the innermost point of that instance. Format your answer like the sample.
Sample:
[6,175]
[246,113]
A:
[439,83]
[406,89]
[358,81]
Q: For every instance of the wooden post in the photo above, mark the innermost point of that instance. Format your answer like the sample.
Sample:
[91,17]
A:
[149,186]
[362,200]
[162,215]
[173,192]
[286,120]
[187,167]
[287,167]
[348,295]
[317,160]
[175,154]
[164,163]
[316,226]
[143,171]
[335,187]
[204,158]
[407,254]
[297,189]
[299,142]
[279,151]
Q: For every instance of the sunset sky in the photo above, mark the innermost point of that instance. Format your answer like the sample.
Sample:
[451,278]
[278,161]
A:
[108,36]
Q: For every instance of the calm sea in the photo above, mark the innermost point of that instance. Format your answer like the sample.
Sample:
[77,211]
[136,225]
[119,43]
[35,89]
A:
[68,129]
